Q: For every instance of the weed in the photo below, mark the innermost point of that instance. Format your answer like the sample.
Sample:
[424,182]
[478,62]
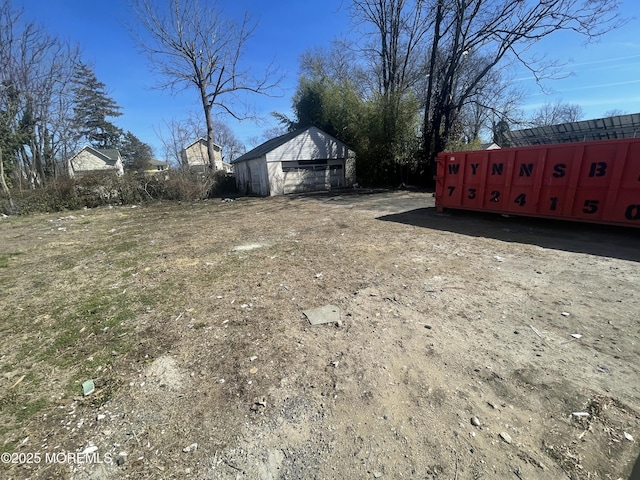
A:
[9,446]
[30,409]
[5,257]
[9,401]
[123,247]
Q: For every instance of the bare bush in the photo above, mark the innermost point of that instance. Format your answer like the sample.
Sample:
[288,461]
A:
[90,191]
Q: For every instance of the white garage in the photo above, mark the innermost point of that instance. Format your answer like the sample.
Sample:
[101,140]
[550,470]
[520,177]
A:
[305,160]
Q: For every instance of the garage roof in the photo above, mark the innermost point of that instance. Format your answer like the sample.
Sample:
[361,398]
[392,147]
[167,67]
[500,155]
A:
[620,126]
[269,145]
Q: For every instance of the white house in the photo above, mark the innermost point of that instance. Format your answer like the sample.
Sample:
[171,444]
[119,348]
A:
[195,157]
[157,166]
[488,146]
[93,160]
[305,160]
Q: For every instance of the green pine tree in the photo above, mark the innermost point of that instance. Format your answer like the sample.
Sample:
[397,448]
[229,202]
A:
[135,153]
[92,107]
[500,133]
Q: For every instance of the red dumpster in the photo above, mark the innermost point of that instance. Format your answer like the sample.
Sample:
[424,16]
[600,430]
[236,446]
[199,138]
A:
[586,181]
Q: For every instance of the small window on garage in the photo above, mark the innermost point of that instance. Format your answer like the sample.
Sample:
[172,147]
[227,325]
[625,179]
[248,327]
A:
[311,162]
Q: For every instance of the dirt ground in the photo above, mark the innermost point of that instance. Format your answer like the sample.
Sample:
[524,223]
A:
[469,346]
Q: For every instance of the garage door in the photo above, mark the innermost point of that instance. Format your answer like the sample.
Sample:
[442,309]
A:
[303,180]
[313,178]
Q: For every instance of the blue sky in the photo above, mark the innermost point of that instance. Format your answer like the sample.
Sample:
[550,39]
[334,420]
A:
[602,76]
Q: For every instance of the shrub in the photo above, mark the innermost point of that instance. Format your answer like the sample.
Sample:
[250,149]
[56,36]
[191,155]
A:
[222,184]
[102,189]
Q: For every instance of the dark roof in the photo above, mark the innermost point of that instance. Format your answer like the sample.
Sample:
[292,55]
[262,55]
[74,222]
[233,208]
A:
[609,128]
[269,145]
[112,153]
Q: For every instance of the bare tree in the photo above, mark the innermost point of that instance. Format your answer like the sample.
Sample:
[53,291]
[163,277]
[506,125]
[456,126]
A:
[614,113]
[339,63]
[496,31]
[555,113]
[395,30]
[3,183]
[34,79]
[230,144]
[64,142]
[192,45]
[496,98]
[179,134]
[506,112]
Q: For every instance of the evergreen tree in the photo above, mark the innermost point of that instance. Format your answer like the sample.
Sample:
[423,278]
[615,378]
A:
[135,153]
[91,108]
[500,133]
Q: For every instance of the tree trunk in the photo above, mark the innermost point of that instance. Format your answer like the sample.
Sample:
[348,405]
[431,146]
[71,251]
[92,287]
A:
[207,107]
[38,163]
[210,141]
[428,140]
[3,183]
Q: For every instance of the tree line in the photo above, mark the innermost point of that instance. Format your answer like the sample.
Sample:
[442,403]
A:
[416,77]
[426,76]
[51,103]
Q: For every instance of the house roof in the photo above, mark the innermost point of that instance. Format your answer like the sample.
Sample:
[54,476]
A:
[201,139]
[488,146]
[274,143]
[619,126]
[268,146]
[156,163]
[110,155]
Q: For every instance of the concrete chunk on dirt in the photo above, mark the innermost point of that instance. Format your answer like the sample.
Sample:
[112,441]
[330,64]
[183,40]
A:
[320,315]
